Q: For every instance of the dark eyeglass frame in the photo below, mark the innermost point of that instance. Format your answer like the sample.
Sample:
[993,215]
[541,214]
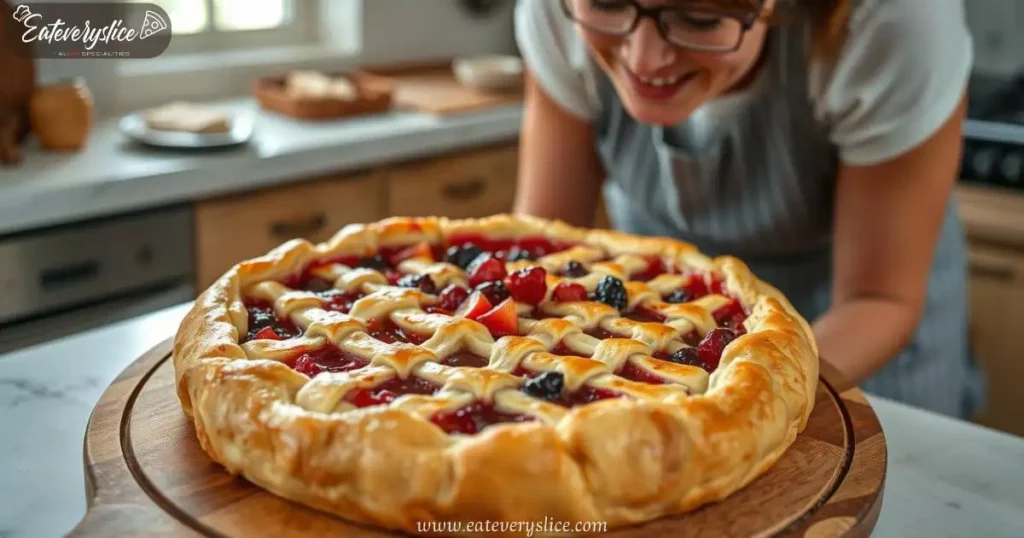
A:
[746,21]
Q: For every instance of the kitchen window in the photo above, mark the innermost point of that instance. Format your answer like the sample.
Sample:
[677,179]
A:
[211,26]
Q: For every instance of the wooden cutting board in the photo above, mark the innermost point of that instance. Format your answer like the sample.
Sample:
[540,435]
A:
[146,474]
[432,88]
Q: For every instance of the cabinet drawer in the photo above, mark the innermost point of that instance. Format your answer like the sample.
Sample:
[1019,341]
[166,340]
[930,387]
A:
[467,185]
[238,227]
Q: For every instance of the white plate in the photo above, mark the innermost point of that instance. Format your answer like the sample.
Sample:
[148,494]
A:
[134,126]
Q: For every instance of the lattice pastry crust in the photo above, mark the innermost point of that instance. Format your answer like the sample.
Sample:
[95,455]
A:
[658,449]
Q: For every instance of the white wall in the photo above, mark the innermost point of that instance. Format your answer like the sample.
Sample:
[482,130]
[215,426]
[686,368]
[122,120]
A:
[998,30]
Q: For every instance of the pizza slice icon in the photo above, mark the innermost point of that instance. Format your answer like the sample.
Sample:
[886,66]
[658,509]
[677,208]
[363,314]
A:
[152,24]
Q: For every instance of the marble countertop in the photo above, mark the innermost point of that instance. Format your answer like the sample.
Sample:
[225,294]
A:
[945,477]
[114,175]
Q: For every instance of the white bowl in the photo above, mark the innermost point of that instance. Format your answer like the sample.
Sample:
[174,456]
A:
[490,73]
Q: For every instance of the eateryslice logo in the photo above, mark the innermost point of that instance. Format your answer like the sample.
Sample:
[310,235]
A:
[41,31]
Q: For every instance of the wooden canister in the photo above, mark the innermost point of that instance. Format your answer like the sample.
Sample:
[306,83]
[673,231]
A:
[61,114]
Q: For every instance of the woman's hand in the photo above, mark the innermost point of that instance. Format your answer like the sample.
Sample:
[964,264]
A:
[887,221]
[559,171]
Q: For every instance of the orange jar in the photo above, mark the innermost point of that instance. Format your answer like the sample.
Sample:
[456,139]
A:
[61,115]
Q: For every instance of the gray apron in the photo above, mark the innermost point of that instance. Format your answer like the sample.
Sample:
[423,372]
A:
[761,187]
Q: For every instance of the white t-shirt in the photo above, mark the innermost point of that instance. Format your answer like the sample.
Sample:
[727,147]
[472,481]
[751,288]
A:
[897,79]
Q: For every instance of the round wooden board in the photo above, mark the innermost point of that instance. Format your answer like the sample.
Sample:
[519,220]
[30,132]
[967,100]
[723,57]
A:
[146,474]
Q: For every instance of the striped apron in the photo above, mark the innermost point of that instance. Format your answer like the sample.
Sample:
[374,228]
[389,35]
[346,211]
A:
[759,184]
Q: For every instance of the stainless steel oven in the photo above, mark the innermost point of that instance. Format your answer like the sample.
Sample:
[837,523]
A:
[61,280]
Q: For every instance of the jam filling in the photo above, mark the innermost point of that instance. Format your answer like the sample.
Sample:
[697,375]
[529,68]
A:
[474,417]
[731,316]
[645,315]
[655,268]
[465,359]
[396,254]
[326,359]
[633,372]
[386,392]
[513,249]
[601,334]
[261,316]
[388,332]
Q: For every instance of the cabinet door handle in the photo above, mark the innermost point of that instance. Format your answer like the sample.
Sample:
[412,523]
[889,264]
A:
[289,229]
[465,190]
[992,271]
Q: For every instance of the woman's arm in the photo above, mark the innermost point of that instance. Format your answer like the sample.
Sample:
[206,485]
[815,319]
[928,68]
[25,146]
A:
[559,171]
[887,221]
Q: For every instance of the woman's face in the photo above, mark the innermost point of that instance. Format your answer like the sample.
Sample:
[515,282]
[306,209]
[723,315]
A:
[662,84]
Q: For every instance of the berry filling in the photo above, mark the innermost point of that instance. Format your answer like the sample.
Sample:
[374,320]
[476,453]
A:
[495,291]
[261,316]
[550,386]
[266,333]
[421,282]
[474,417]
[645,315]
[338,301]
[422,250]
[708,352]
[453,296]
[612,292]
[513,249]
[731,316]
[465,359]
[386,392]
[388,332]
[475,306]
[568,292]
[501,320]
[655,268]
[601,334]
[574,269]
[528,285]
[326,359]
[633,372]
[461,256]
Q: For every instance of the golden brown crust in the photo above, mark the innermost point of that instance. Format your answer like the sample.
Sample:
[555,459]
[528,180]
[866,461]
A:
[668,449]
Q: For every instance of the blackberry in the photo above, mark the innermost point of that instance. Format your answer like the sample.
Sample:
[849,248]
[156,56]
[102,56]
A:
[547,386]
[679,296]
[422,282]
[612,292]
[462,256]
[688,356]
[574,269]
[376,262]
[516,254]
[495,291]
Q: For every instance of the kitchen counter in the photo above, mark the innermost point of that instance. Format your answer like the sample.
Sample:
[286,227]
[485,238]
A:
[113,175]
[945,477]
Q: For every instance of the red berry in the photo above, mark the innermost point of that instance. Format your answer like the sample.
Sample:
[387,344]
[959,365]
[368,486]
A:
[528,285]
[306,364]
[393,277]
[437,310]
[689,356]
[266,333]
[695,288]
[711,348]
[453,296]
[485,268]
[501,320]
[730,316]
[568,292]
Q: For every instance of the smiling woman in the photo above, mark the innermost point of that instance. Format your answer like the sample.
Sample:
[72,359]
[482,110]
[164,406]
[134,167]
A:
[818,140]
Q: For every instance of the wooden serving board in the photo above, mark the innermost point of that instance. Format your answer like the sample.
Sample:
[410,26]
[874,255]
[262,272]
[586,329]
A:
[146,474]
[432,88]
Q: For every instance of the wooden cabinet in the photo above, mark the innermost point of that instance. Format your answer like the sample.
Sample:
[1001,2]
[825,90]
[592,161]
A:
[239,227]
[465,185]
[997,324]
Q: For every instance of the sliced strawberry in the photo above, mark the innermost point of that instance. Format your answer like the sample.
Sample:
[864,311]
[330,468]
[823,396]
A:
[474,307]
[485,268]
[267,333]
[502,319]
[568,292]
[453,296]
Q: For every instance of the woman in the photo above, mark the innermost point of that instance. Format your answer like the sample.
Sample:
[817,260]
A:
[822,152]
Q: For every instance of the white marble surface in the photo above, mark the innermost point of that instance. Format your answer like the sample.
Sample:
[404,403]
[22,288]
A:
[945,478]
[113,175]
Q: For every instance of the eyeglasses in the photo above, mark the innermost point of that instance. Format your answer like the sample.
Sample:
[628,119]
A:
[691,26]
